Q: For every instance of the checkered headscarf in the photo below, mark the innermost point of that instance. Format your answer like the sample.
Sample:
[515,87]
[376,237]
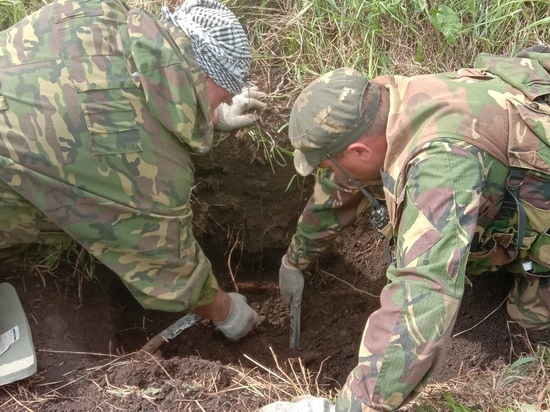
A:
[218,41]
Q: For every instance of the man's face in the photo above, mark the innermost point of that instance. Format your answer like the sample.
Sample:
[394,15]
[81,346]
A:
[217,94]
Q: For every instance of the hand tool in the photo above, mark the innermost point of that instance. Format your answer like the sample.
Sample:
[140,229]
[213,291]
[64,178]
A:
[295,314]
[170,333]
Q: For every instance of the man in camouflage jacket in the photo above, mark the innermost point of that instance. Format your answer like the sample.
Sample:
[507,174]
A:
[99,107]
[462,160]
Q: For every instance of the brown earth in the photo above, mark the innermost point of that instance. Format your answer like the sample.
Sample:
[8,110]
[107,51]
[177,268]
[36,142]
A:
[86,331]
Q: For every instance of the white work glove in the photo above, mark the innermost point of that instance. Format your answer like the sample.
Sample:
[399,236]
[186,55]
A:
[306,403]
[233,116]
[240,320]
[291,283]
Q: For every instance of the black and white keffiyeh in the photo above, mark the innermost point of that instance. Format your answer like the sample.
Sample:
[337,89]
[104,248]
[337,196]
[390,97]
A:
[218,40]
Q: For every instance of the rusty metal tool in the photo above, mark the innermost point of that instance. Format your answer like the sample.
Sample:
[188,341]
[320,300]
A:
[295,315]
[170,333]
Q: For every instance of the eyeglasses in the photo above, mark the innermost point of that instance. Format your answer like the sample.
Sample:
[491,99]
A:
[379,213]
[369,196]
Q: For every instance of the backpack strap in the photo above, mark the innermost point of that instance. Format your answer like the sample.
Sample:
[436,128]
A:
[512,203]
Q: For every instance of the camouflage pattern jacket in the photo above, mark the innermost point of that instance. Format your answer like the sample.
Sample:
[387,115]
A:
[444,181]
[99,106]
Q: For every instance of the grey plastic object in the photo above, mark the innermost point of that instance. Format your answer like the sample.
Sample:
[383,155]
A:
[19,361]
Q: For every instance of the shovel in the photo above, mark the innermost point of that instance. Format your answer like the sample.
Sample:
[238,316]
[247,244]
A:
[170,333]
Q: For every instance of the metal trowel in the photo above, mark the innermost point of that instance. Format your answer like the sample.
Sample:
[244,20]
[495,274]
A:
[170,333]
[295,314]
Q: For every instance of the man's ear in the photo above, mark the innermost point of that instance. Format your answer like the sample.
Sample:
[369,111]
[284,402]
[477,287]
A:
[360,149]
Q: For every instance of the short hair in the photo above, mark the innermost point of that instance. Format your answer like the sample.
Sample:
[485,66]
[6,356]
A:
[379,123]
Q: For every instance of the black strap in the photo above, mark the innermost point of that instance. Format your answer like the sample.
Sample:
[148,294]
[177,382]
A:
[514,181]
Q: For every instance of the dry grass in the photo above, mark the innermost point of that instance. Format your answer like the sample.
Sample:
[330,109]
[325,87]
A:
[167,385]
[521,386]
[173,384]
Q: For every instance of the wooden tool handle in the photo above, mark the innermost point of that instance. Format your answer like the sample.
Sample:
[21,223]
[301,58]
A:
[154,344]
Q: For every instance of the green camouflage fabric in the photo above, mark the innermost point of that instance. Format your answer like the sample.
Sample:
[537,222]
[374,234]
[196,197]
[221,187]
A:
[99,106]
[444,181]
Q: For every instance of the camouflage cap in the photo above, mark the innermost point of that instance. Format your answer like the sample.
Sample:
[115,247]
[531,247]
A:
[326,117]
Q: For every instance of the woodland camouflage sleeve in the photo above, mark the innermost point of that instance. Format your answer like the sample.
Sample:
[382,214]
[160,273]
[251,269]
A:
[404,340]
[334,205]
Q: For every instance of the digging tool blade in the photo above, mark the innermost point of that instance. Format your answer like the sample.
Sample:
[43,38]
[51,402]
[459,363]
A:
[295,314]
[170,333]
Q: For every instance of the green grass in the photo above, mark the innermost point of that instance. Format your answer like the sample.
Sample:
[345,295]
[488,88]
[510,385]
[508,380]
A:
[392,36]
[11,11]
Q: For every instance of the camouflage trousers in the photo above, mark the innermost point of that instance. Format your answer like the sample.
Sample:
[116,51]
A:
[155,255]
[529,301]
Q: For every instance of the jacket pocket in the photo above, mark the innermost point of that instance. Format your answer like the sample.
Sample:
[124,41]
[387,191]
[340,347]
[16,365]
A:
[112,127]
[540,250]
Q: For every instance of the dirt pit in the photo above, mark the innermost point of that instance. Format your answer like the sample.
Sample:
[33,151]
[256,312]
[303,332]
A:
[86,332]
